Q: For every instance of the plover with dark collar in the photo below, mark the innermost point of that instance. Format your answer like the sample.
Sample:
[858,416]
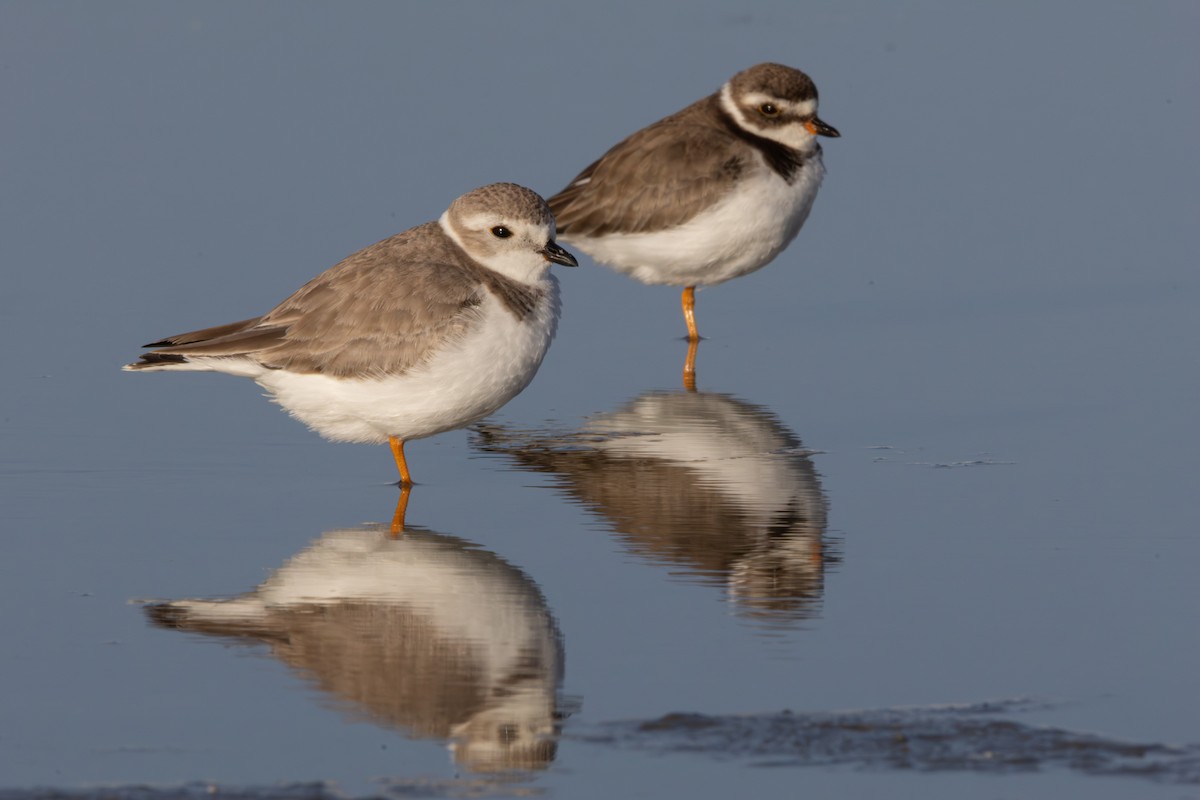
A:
[710,193]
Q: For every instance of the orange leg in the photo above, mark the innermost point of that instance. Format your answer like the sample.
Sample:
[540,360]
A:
[401,464]
[401,508]
[688,301]
[689,366]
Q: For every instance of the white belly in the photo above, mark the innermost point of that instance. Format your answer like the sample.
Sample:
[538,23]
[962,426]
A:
[462,384]
[734,237]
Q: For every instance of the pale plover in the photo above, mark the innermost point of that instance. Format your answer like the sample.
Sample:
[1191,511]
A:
[421,333]
[426,632]
[710,193]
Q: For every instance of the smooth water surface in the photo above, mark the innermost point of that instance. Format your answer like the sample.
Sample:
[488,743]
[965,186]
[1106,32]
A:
[927,527]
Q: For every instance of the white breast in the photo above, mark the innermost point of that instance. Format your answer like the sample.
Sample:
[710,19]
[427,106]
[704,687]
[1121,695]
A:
[739,234]
[463,383]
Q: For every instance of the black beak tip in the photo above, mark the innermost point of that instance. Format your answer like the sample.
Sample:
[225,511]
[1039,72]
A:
[558,255]
[819,127]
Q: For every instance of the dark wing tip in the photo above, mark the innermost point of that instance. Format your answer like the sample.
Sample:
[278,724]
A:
[205,334]
[166,614]
[154,359]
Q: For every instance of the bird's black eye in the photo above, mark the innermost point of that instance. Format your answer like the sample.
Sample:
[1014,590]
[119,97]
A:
[501,232]
[769,110]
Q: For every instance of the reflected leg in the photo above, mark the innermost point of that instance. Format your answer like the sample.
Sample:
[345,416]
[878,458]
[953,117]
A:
[401,509]
[689,366]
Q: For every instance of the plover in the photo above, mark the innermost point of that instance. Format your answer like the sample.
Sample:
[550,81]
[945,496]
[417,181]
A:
[421,333]
[710,193]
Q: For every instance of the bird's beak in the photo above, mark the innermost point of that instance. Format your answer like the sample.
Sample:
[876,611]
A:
[818,128]
[554,253]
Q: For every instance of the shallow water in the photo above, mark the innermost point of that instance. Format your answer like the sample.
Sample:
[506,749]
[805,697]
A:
[936,481]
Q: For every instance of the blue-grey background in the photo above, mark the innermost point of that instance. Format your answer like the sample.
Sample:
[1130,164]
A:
[1001,267]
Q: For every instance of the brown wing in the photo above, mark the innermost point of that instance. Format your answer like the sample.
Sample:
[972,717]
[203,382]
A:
[659,177]
[381,311]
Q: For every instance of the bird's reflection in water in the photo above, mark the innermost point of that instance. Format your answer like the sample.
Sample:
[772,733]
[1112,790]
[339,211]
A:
[698,479]
[424,632]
